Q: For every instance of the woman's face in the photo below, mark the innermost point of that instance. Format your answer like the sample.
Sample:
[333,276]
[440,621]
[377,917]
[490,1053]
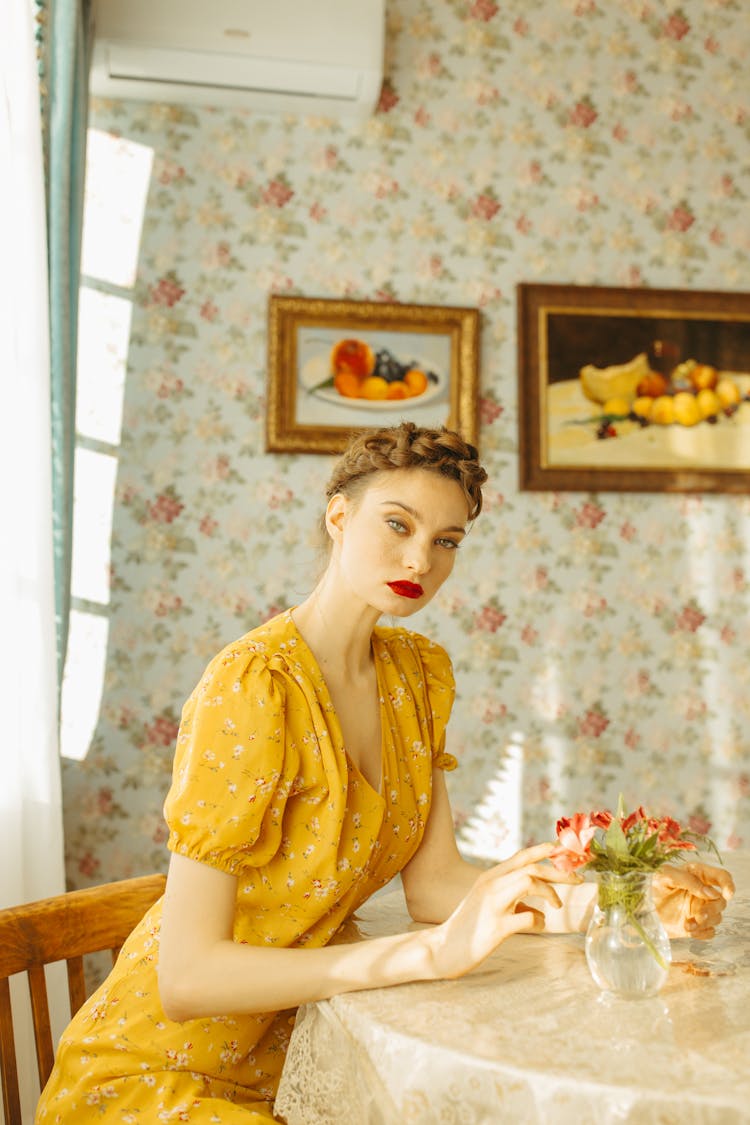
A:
[395,544]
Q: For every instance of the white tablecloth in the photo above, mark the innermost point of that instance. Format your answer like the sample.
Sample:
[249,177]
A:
[529,1038]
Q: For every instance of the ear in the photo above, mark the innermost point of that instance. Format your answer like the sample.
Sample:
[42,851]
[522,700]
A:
[336,512]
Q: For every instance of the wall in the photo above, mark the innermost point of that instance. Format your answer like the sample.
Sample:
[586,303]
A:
[600,641]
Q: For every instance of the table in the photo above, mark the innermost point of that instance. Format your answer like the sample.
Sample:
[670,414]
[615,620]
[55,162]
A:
[528,1038]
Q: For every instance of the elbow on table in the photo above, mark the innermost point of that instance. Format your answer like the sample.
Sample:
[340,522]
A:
[420,908]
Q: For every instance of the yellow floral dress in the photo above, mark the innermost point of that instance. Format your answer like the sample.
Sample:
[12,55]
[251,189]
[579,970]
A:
[262,789]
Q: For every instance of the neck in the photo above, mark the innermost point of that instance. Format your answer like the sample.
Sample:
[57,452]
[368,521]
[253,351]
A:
[337,627]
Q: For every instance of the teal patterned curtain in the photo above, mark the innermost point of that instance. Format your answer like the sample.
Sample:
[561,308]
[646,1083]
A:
[64,40]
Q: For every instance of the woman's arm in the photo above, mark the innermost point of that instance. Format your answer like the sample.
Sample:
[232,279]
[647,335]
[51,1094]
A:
[437,878]
[203,972]
[690,899]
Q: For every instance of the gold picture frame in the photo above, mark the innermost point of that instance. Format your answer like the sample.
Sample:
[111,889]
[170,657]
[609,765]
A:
[306,413]
[576,343]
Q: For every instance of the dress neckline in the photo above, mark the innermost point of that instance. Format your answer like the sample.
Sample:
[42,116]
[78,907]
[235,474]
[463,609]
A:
[351,766]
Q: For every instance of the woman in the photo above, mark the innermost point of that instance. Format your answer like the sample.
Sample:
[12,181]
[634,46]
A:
[308,772]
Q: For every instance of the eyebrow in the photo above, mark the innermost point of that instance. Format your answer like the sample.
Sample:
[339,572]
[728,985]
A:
[415,513]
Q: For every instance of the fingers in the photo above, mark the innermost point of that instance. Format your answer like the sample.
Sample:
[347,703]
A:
[695,882]
[527,919]
[532,859]
[535,854]
[716,876]
[704,917]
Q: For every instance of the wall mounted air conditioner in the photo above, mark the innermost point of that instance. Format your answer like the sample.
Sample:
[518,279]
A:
[290,56]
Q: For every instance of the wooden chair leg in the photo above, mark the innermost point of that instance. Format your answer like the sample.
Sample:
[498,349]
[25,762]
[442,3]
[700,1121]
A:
[45,1052]
[11,1096]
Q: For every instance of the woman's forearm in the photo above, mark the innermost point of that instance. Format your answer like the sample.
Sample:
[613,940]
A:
[433,897]
[231,978]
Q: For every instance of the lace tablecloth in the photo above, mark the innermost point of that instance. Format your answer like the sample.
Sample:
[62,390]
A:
[528,1038]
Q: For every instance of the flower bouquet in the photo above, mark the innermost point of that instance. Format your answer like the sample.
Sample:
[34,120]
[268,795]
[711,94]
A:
[627,948]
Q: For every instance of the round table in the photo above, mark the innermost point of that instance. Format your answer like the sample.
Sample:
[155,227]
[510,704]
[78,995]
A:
[529,1038]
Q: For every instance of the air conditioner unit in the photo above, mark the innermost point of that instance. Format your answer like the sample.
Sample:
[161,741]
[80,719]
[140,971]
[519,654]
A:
[294,56]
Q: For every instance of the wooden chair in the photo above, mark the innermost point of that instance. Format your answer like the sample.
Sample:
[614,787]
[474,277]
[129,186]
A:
[63,928]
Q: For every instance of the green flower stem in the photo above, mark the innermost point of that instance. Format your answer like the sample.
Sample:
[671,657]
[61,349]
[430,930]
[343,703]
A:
[630,899]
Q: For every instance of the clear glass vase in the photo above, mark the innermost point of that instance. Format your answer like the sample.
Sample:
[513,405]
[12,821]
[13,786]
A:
[627,948]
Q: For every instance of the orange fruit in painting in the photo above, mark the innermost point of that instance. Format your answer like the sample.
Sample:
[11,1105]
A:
[651,385]
[398,389]
[416,381]
[374,388]
[354,356]
[347,384]
[728,393]
[704,377]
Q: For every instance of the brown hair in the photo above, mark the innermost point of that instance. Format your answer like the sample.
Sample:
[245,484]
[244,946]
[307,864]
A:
[409,447]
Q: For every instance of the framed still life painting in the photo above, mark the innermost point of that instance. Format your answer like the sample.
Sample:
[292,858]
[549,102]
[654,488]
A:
[339,366]
[639,390]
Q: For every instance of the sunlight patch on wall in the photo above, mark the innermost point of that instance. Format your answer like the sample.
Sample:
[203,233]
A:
[83,682]
[118,173]
[95,475]
[103,334]
[493,831]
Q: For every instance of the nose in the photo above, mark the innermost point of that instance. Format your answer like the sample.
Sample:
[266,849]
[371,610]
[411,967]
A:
[417,557]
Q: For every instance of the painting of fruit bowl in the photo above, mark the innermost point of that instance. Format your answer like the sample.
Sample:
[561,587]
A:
[339,366]
[355,375]
[634,390]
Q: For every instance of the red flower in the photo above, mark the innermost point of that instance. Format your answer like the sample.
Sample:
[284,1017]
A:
[676,27]
[583,113]
[165,508]
[485,206]
[593,724]
[589,515]
[483,10]
[689,619]
[277,193]
[88,864]
[681,218]
[388,98]
[699,823]
[489,619]
[163,731]
[669,833]
[489,410]
[167,290]
[633,818]
[575,834]
[104,801]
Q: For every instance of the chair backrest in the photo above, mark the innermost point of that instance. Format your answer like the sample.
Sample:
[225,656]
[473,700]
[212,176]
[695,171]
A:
[63,928]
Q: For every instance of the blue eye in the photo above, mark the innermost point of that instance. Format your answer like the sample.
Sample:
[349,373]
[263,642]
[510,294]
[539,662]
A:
[451,544]
[397,525]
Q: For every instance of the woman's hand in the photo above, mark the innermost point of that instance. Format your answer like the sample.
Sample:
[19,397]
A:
[494,909]
[690,899]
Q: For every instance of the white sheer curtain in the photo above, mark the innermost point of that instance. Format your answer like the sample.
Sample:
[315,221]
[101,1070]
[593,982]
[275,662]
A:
[30,806]
[31,840]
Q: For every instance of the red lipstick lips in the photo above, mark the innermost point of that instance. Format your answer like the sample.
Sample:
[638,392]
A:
[407,589]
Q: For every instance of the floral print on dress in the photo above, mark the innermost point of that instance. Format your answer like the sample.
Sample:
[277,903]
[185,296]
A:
[263,790]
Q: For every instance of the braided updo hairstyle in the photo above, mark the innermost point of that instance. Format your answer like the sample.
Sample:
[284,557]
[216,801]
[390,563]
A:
[409,447]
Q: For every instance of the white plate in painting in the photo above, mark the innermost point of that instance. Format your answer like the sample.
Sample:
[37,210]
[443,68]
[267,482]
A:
[317,371]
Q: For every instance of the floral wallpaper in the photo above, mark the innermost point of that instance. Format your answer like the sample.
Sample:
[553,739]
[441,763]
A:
[600,642]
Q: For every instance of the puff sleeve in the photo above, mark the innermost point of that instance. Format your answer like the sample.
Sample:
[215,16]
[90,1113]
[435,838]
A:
[232,770]
[440,690]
